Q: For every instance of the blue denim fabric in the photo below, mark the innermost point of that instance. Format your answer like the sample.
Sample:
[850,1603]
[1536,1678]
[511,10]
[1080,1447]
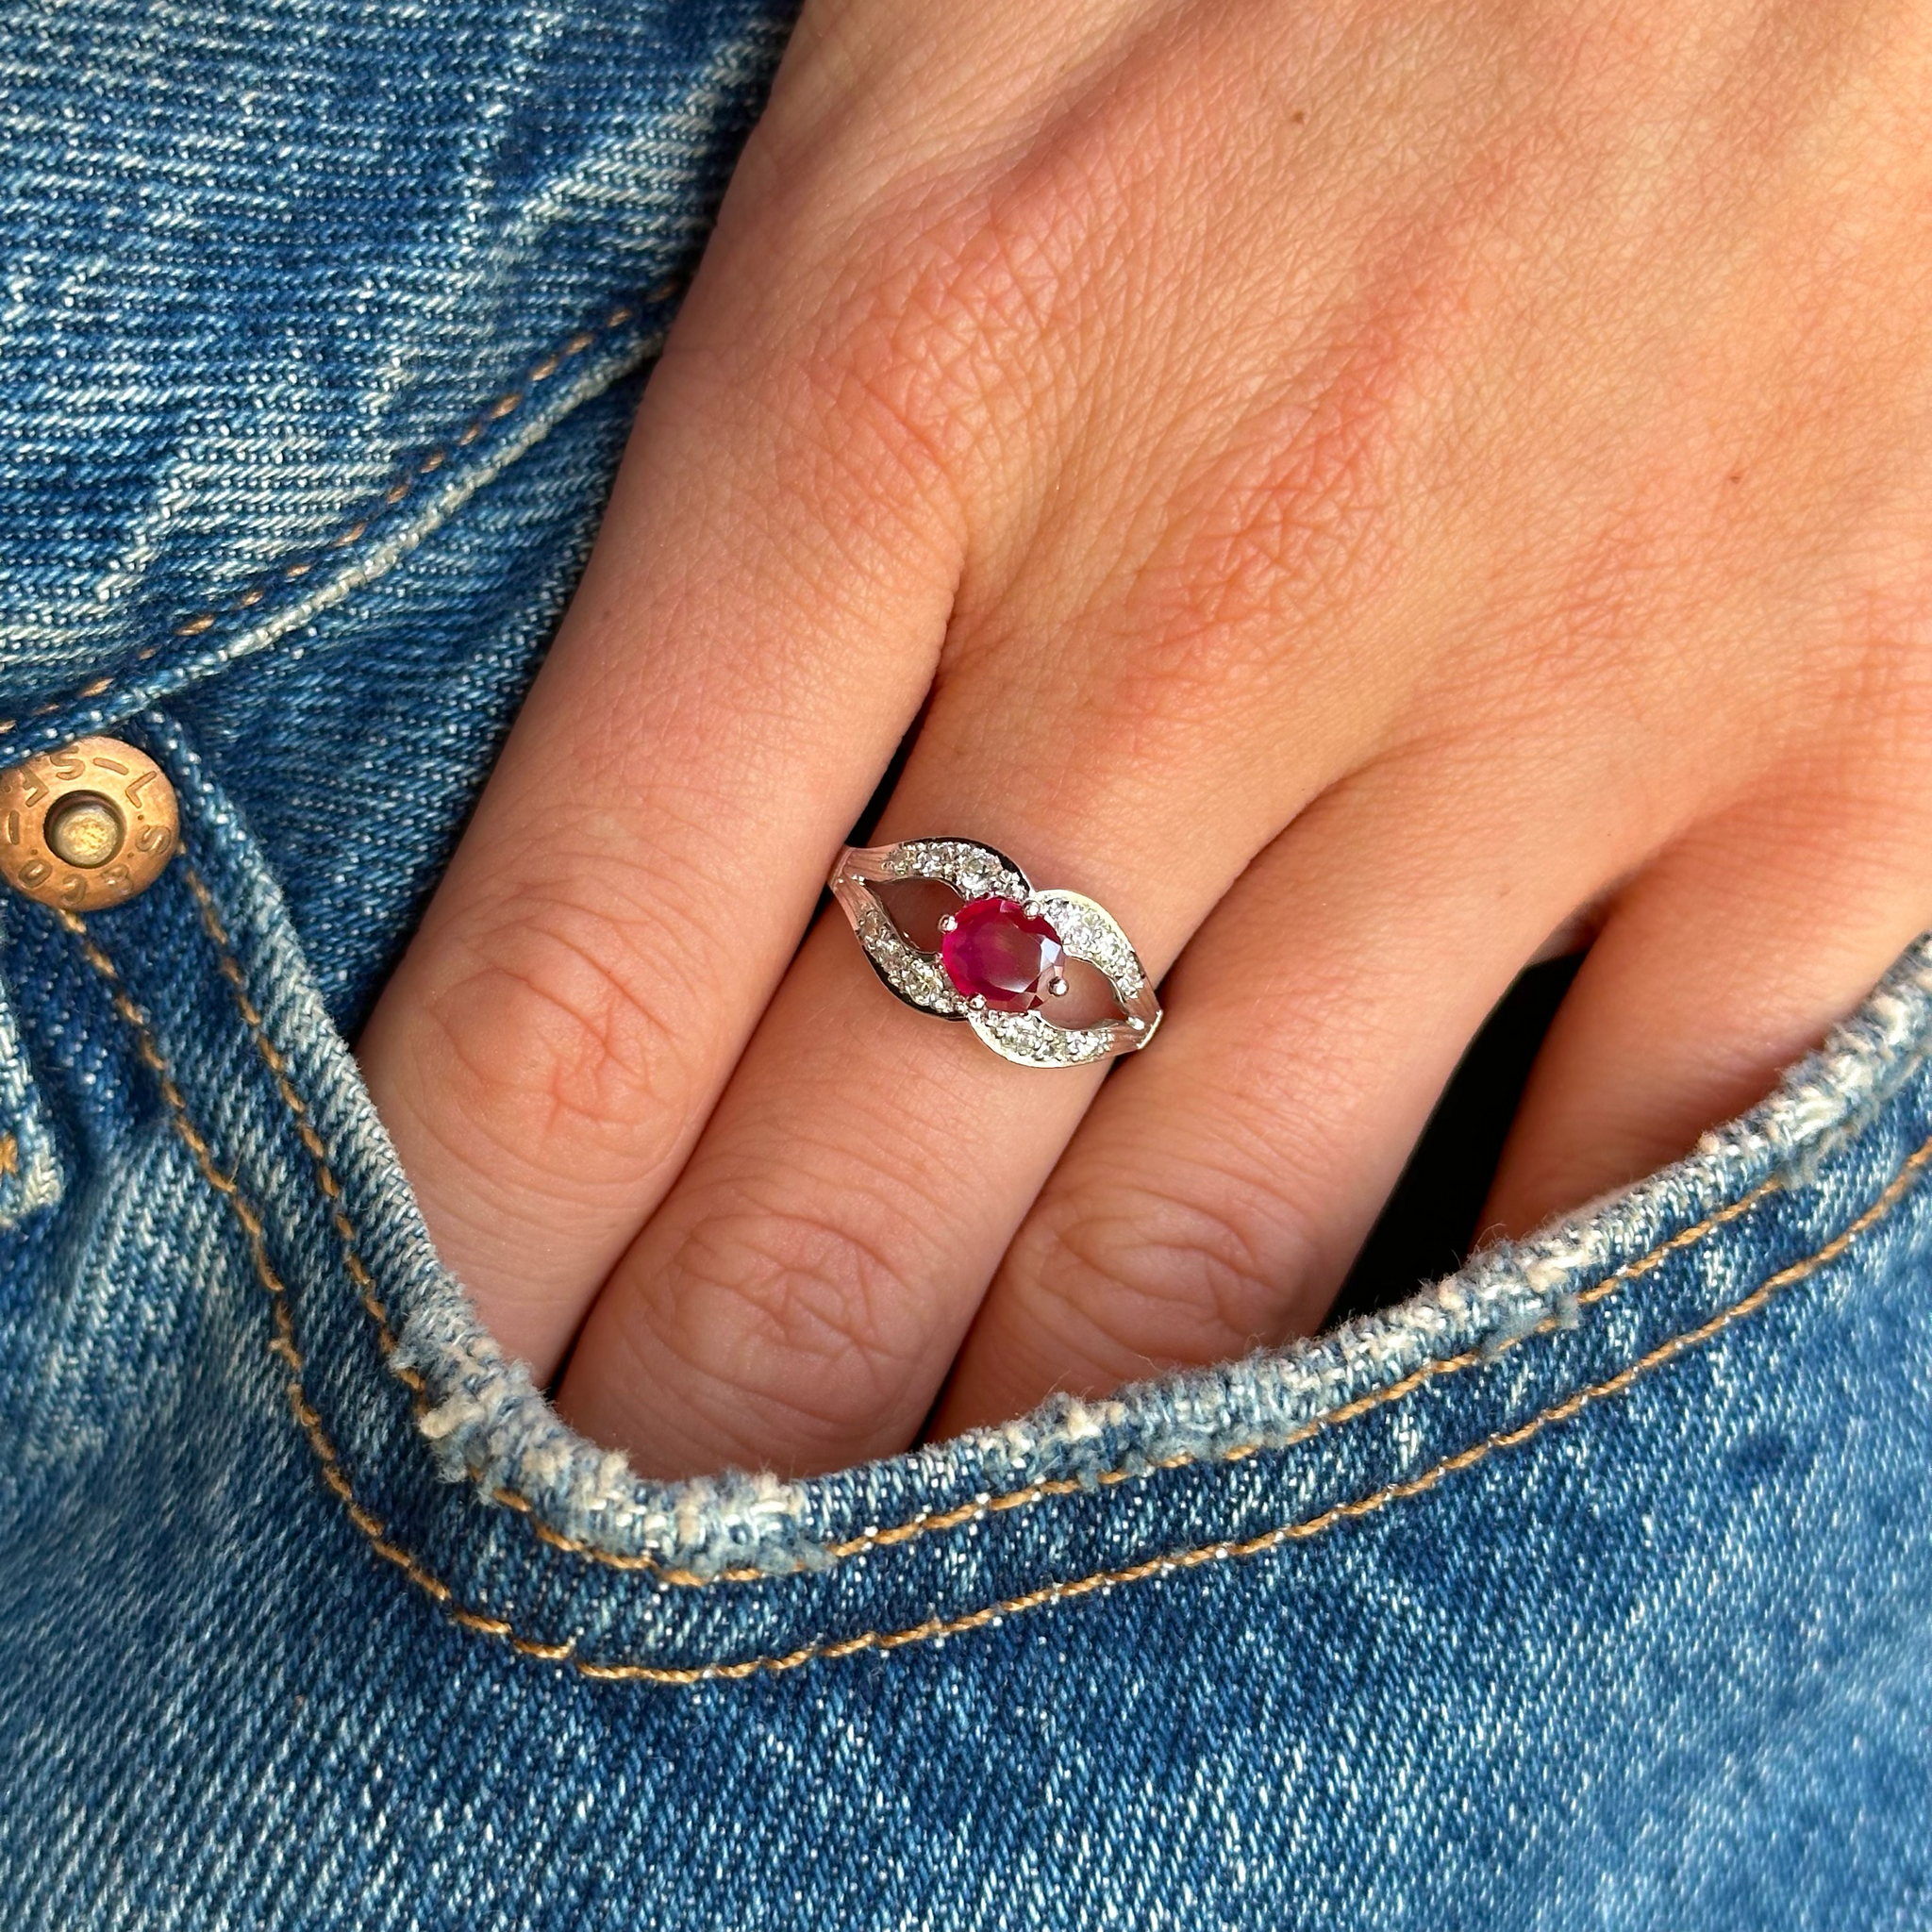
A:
[1590,1587]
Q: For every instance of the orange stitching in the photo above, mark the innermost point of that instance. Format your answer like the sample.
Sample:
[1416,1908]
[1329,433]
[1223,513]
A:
[353,1264]
[503,406]
[277,1061]
[282,1346]
[928,1523]
[932,1629]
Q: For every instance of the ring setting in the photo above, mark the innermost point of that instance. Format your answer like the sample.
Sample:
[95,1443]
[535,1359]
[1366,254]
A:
[1001,958]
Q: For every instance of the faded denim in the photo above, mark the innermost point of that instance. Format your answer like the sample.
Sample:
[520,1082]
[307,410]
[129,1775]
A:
[1589,1588]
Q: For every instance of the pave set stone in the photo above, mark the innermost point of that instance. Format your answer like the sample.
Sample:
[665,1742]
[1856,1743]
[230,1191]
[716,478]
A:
[916,977]
[974,871]
[1034,1040]
[1087,932]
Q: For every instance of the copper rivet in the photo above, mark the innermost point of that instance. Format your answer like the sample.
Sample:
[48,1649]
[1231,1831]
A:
[85,830]
[88,825]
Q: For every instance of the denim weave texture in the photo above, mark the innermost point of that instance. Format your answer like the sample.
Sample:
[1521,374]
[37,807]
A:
[1589,1588]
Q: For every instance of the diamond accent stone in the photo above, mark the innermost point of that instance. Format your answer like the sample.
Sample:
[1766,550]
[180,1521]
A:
[913,974]
[1088,932]
[1034,1040]
[974,871]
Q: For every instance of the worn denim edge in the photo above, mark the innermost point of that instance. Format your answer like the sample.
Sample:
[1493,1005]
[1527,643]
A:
[487,1424]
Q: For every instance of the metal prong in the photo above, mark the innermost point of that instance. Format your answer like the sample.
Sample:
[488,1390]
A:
[948,923]
[977,1003]
[1057,985]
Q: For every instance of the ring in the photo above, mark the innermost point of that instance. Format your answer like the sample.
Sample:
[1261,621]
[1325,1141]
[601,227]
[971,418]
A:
[998,963]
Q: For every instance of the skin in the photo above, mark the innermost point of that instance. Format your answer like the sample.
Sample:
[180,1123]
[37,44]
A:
[1360,489]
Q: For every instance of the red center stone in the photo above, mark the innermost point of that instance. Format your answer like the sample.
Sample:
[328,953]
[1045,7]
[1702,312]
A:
[998,952]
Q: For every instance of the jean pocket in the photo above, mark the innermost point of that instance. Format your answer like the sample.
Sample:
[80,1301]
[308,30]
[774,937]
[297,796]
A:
[433,1454]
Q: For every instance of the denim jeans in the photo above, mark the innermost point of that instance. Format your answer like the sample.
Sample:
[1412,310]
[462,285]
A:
[1591,1587]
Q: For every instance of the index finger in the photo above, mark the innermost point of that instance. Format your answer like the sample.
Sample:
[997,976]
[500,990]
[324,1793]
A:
[755,629]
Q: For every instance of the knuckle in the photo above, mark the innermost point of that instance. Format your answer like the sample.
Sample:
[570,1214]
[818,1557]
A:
[1202,1266]
[1290,528]
[1170,691]
[803,1319]
[557,1046]
[892,396]
[1289,532]
[951,325]
[1162,1275]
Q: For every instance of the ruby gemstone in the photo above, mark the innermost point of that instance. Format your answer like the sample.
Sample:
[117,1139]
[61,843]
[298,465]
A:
[999,952]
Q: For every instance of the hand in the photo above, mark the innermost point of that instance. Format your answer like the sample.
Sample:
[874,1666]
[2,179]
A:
[1351,486]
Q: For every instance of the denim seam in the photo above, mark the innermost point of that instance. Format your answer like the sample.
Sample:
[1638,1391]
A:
[284,1344]
[331,1189]
[374,1532]
[373,520]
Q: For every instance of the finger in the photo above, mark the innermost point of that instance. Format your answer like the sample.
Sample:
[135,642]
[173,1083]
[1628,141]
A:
[755,630]
[1726,961]
[798,1297]
[1217,1192]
